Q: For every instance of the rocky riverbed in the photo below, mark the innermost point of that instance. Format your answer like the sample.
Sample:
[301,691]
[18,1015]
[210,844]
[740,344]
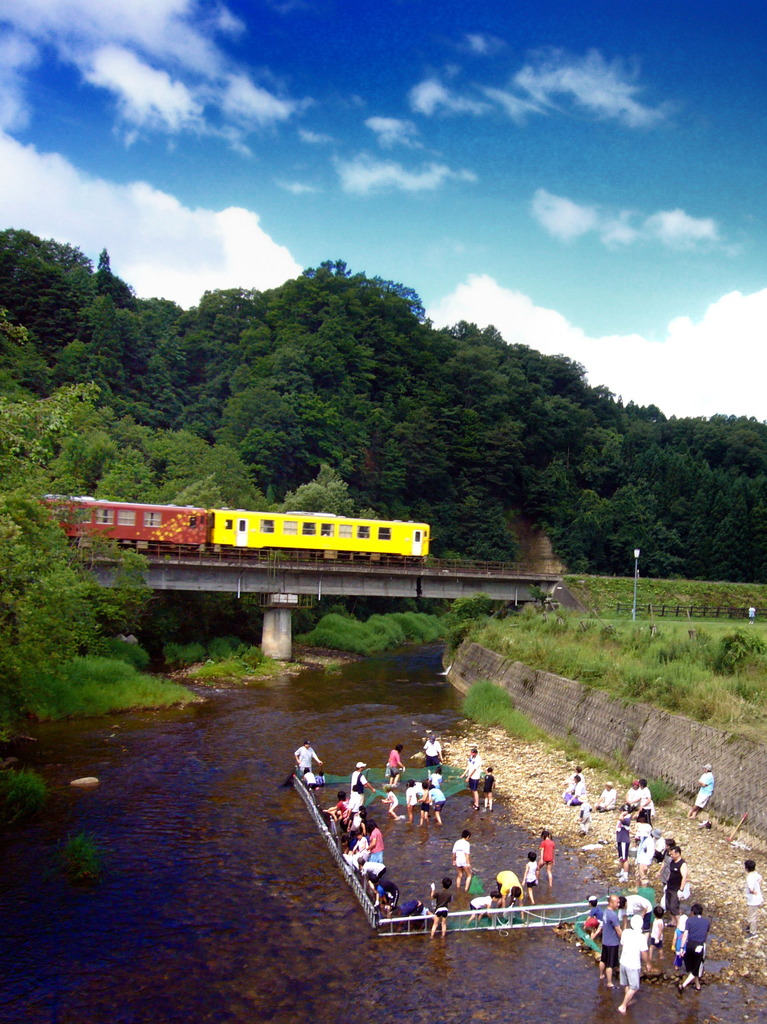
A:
[530,781]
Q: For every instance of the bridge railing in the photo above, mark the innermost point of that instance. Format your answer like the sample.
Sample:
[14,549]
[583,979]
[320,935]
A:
[498,919]
[245,557]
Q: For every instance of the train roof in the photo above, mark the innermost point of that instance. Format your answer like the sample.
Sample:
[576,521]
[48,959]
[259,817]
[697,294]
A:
[88,500]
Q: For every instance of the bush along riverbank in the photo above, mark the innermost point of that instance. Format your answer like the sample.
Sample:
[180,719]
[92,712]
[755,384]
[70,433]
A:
[376,634]
[715,673]
[531,774]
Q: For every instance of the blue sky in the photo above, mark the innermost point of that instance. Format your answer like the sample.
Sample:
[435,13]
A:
[587,176]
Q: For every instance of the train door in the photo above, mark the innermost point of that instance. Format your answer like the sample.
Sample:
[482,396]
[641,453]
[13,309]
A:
[417,542]
[242,533]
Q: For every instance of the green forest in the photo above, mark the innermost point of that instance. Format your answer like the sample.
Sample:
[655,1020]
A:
[245,397]
[332,390]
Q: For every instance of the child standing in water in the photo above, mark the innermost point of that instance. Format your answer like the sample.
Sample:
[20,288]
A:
[530,876]
[656,934]
[488,787]
[411,798]
[547,849]
[391,801]
[442,901]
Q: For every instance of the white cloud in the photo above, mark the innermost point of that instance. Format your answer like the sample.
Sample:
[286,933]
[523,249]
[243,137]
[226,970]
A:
[605,89]
[678,230]
[392,131]
[431,95]
[297,188]
[147,98]
[364,175]
[566,220]
[482,44]
[160,57]
[314,138]
[158,245]
[17,55]
[516,107]
[562,217]
[248,102]
[173,30]
[715,366]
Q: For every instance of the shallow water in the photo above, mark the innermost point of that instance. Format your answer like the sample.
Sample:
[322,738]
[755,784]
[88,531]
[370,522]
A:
[220,903]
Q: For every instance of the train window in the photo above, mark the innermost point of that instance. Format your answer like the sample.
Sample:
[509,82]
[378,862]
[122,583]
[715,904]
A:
[267,526]
[384,533]
[152,518]
[308,529]
[363,532]
[105,516]
[193,520]
[345,530]
[327,530]
[290,526]
[229,524]
[126,517]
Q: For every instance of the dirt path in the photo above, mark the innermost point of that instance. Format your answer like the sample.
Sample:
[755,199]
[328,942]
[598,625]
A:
[530,780]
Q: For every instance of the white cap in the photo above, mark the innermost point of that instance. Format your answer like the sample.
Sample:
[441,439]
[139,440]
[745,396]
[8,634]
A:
[361,764]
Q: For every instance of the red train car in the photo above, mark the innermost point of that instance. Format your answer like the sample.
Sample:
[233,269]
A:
[132,523]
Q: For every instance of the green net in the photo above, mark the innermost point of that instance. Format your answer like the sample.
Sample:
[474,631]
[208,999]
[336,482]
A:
[452,782]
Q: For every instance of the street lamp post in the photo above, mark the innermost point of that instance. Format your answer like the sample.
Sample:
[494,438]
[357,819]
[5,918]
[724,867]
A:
[636,577]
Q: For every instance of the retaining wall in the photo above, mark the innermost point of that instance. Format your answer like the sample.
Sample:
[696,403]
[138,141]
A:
[657,744]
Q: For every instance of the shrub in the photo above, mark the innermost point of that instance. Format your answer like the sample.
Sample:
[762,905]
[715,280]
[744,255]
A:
[22,794]
[183,654]
[81,857]
[131,654]
[660,791]
[223,647]
[736,649]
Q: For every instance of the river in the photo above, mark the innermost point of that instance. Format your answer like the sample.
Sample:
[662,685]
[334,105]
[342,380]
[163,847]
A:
[219,903]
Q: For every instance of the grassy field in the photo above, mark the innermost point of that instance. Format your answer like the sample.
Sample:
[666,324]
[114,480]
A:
[717,675]
[604,593]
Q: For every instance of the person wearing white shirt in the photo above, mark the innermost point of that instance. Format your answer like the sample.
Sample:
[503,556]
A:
[633,944]
[754,897]
[472,775]
[433,750]
[606,801]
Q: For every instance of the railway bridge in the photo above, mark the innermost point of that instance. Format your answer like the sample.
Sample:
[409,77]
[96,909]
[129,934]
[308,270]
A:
[285,581]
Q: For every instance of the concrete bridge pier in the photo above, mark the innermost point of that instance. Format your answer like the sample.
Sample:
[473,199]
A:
[277,634]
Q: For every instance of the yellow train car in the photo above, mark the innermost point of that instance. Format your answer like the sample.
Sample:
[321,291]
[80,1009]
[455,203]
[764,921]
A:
[333,536]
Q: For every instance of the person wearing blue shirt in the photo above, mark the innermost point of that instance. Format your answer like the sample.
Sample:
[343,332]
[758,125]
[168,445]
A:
[706,783]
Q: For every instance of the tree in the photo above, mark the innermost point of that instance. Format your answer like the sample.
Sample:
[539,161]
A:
[326,493]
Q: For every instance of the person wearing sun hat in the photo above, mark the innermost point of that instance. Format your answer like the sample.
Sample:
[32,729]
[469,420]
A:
[706,783]
[358,784]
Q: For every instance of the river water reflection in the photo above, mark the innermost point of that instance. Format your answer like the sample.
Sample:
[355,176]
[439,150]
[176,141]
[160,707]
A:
[219,902]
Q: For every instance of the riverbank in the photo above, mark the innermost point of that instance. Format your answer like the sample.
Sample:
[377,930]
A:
[530,781]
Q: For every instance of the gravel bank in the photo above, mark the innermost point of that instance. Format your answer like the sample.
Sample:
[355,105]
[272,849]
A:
[530,783]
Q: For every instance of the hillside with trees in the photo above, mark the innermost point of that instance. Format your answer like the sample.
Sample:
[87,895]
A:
[247,396]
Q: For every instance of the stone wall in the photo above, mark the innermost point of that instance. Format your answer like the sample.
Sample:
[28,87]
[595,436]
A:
[657,744]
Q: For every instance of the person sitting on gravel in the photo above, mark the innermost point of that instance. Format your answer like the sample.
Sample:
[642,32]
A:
[606,801]
[633,796]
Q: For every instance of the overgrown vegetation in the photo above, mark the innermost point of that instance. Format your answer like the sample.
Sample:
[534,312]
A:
[378,633]
[22,793]
[718,675]
[604,593]
[91,685]
[82,859]
[489,704]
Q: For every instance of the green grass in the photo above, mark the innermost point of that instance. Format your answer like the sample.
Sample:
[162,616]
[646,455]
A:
[378,633]
[718,676]
[603,593]
[81,857]
[249,664]
[489,704]
[90,686]
[22,794]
